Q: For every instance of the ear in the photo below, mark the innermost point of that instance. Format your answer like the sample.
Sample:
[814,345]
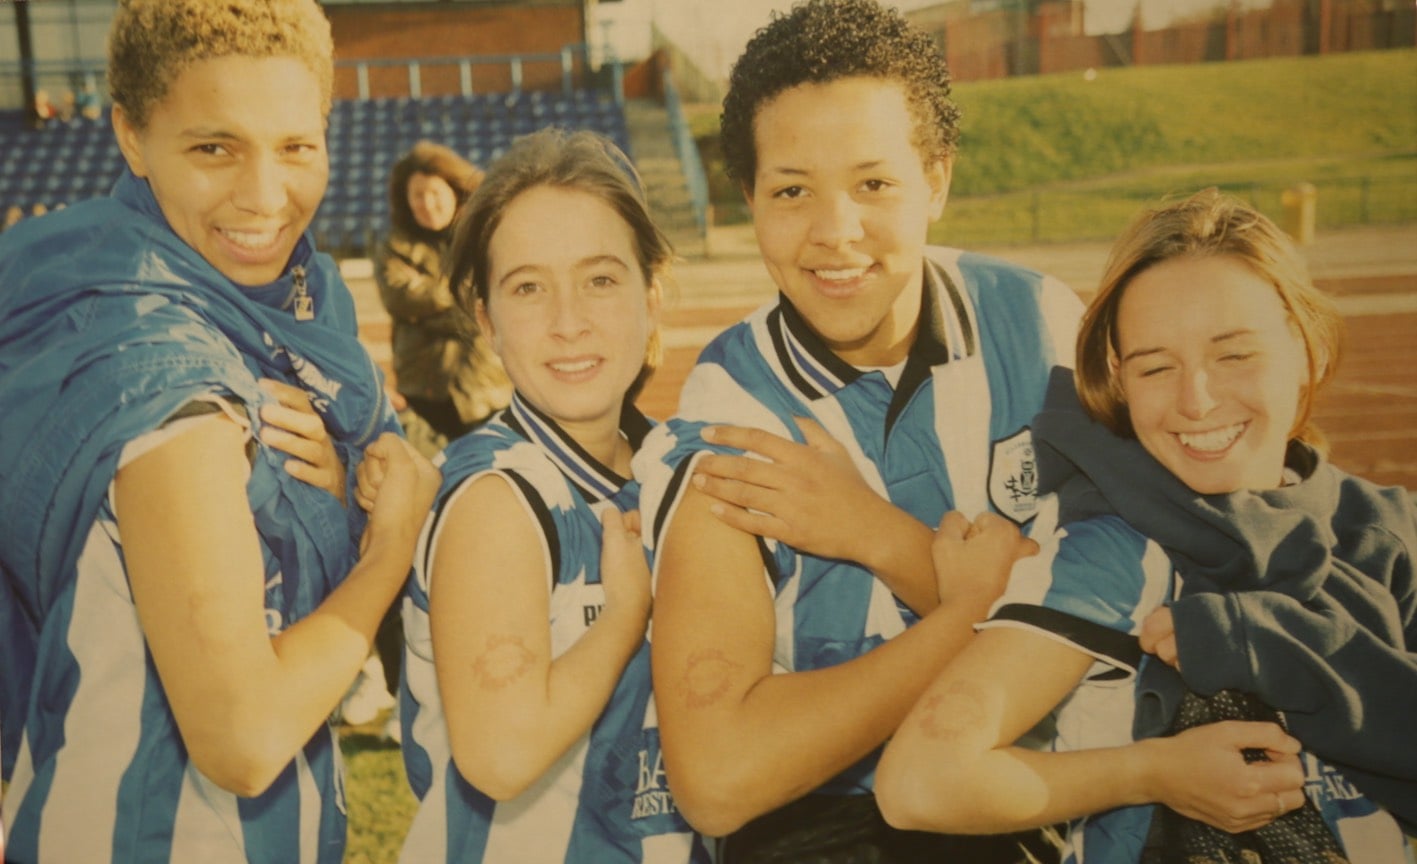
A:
[1114,376]
[484,323]
[938,174]
[130,141]
[747,191]
[1321,360]
[654,300]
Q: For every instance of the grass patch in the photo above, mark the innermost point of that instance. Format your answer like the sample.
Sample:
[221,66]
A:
[1021,132]
[1058,157]
[381,806]
[1349,192]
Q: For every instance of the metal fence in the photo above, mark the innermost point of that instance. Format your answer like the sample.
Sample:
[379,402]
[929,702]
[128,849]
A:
[688,153]
[1066,215]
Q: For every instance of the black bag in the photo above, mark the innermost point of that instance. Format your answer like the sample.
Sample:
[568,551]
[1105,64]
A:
[849,829]
[1298,837]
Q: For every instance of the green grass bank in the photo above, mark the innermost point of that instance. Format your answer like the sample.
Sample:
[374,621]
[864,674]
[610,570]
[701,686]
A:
[1073,156]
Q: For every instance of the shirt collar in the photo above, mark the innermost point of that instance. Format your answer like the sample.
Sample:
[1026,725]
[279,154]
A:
[595,480]
[815,371]
[136,192]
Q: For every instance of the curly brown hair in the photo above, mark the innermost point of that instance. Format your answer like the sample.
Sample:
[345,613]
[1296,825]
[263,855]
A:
[435,160]
[826,40]
[152,42]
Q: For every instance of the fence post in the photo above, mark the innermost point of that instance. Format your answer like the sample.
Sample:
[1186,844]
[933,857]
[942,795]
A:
[1037,207]
[1363,190]
[617,83]
[1299,204]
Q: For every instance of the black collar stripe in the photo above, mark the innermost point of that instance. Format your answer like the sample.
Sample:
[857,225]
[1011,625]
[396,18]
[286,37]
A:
[596,481]
[952,310]
[947,333]
[803,361]
[776,330]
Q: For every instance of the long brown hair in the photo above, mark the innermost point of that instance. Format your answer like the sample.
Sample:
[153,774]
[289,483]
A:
[582,161]
[434,159]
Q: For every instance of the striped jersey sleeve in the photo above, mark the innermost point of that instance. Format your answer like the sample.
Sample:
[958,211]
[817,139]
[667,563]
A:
[734,383]
[1091,585]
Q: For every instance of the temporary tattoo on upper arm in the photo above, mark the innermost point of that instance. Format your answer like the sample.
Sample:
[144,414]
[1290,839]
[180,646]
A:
[504,659]
[707,676]
[953,712]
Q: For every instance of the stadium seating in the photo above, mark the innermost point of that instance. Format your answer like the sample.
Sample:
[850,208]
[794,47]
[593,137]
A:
[66,162]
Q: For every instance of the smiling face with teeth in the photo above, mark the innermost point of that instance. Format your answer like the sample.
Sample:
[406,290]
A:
[841,202]
[1212,371]
[568,307]
[235,155]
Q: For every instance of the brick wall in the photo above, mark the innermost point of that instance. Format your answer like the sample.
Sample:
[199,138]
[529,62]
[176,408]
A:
[997,44]
[402,32]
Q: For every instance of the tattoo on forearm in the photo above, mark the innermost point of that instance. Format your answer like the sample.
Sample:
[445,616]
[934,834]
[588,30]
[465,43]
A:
[504,660]
[952,713]
[706,678]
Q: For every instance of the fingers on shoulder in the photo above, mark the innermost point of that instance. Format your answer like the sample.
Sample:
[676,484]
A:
[751,438]
[990,521]
[816,435]
[954,525]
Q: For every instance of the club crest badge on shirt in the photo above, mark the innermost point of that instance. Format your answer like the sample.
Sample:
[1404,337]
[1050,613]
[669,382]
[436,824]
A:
[1013,477]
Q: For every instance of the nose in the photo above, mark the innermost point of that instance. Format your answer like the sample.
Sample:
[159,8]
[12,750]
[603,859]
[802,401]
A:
[261,187]
[836,221]
[1196,397]
[568,314]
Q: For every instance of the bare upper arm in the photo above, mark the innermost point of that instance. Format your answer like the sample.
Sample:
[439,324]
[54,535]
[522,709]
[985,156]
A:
[489,597]
[998,687]
[714,623]
[193,558]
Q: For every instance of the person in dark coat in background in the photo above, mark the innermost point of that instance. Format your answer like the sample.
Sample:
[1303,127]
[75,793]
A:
[443,368]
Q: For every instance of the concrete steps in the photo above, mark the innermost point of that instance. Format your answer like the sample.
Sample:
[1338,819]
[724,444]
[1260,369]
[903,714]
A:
[670,201]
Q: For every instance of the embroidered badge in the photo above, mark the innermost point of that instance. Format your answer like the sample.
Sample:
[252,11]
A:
[1013,477]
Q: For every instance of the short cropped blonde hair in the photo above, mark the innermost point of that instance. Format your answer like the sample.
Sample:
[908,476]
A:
[1207,224]
[152,42]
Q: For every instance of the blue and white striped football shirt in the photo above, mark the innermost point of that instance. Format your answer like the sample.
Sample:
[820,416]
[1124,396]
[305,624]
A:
[108,778]
[951,434]
[606,799]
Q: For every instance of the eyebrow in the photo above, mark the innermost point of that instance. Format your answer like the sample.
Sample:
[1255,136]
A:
[1214,340]
[869,165]
[217,133]
[209,133]
[589,261]
[517,271]
[607,258]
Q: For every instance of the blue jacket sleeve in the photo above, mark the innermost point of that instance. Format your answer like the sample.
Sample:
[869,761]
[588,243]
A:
[1341,665]
[1350,696]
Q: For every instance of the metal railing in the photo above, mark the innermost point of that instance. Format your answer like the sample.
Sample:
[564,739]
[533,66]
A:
[1060,215]
[570,69]
[571,64]
[688,152]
